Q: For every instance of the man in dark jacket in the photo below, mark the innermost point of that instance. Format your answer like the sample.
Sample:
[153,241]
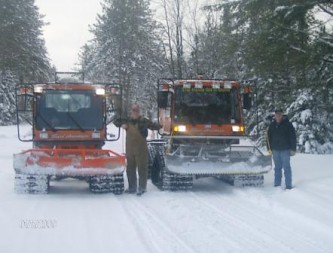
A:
[282,144]
[137,150]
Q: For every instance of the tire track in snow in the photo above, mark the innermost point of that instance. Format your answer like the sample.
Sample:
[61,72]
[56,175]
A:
[247,211]
[317,193]
[232,240]
[308,203]
[140,227]
[293,209]
[158,232]
[292,225]
[251,238]
[199,240]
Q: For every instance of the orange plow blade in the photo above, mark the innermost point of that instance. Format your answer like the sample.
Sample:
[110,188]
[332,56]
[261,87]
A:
[70,162]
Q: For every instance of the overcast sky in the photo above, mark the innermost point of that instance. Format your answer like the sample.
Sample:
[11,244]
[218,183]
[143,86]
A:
[68,28]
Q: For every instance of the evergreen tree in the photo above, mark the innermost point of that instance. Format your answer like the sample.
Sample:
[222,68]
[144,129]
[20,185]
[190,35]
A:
[286,48]
[22,48]
[23,56]
[7,97]
[208,55]
[126,49]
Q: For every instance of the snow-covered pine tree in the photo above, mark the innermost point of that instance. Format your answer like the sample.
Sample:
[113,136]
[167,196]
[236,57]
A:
[127,50]
[21,44]
[23,55]
[7,98]
[279,43]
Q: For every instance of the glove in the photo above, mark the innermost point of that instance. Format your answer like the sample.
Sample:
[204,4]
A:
[118,122]
[269,152]
[292,152]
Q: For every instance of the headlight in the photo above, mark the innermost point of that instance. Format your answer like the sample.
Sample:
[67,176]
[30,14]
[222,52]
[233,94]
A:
[100,91]
[238,128]
[96,135]
[180,128]
[43,135]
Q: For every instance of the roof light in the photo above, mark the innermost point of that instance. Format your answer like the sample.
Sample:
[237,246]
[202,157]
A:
[100,91]
[180,128]
[227,85]
[198,85]
[187,86]
[38,89]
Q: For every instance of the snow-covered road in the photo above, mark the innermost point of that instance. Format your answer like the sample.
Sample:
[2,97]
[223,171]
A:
[213,217]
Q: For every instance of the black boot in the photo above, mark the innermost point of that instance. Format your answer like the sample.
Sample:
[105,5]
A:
[130,191]
[140,192]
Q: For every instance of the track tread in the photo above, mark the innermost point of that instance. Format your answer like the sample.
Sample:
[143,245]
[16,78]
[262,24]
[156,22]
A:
[107,183]
[243,180]
[32,184]
[165,180]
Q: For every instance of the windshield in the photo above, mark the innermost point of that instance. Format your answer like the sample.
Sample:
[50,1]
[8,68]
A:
[75,110]
[206,106]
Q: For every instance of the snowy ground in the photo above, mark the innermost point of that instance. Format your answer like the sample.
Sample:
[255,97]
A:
[213,217]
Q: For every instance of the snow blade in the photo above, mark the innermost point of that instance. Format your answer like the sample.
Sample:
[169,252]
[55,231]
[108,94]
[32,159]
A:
[69,162]
[235,160]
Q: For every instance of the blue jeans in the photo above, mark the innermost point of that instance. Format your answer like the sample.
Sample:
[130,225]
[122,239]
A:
[282,161]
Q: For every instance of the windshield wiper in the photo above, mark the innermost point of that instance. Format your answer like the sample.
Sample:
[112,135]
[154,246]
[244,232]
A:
[75,122]
[46,122]
[76,101]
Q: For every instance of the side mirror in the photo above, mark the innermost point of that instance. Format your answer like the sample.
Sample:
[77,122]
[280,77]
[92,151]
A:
[24,102]
[162,99]
[113,103]
[247,101]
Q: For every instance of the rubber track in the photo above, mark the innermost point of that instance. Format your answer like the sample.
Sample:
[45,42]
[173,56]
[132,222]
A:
[151,157]
[171,181]
[105,184]
[32,184]
[243,180]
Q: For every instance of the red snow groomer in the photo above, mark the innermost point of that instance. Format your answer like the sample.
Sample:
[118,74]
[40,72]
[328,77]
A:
[204,135]
[69,121]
